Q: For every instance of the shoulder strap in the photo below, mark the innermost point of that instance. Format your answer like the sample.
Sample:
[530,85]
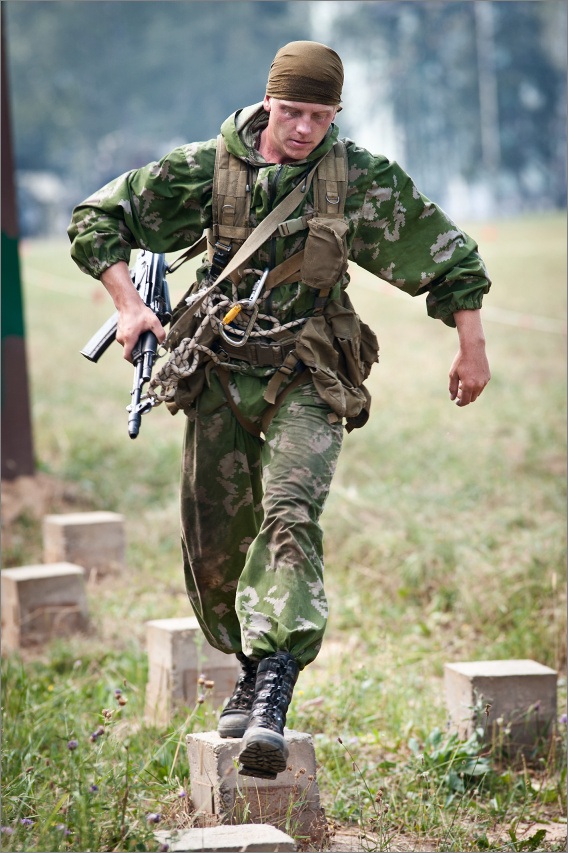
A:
[330,183]
[265,229]
[254,241]
[230,207]
[231,196]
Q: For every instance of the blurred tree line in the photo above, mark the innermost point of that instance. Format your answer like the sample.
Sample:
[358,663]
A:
[102,87]
[474,93]
[477,92]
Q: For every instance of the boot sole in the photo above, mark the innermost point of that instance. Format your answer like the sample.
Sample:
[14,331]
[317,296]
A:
[233,725]
[264,754]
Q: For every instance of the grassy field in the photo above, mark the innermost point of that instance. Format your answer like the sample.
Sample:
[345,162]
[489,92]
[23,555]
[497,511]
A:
[445,541]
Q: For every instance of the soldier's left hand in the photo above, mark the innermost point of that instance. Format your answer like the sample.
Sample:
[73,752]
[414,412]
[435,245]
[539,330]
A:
[469,373]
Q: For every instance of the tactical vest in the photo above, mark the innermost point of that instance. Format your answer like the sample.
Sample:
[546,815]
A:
[333,347]
[231,212]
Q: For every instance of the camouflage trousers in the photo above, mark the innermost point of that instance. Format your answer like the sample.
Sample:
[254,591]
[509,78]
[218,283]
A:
[251,540]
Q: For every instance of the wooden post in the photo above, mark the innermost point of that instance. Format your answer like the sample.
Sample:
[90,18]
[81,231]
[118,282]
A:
[17,445]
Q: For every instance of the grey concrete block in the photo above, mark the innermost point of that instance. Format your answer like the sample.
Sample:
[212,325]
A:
[522,695]
[177,654]
[94,540]
[40,603]
[227,839]
[291,800]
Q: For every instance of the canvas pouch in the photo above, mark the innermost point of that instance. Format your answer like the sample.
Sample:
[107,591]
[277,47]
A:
[339,350]
[325,253]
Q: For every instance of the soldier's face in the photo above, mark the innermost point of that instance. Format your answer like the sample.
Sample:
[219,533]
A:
[295,129]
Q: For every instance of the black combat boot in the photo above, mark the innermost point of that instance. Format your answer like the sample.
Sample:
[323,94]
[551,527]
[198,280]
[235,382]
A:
[235,715]
[264,752]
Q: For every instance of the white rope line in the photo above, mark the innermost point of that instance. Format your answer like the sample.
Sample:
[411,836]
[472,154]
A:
[56,283]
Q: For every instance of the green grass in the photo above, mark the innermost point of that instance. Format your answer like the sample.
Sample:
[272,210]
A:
[445,541]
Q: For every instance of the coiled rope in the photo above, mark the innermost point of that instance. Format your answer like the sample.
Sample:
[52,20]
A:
[186,357]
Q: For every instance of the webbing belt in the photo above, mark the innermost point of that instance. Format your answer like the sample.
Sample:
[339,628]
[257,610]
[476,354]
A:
[259,354]
[270,411]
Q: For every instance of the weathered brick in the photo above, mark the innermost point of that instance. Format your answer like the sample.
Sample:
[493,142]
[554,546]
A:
[246,837]
[40,603]
[522,695]
[177,654]
[292,799]
[94,540]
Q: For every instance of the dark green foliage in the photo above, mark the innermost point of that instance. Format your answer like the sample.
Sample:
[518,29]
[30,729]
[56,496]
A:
[99,88]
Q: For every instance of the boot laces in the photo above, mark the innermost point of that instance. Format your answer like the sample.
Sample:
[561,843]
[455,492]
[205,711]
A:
[275,697]
[243,694]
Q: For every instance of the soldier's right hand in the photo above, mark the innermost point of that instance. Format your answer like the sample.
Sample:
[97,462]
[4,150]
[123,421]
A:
[134,317]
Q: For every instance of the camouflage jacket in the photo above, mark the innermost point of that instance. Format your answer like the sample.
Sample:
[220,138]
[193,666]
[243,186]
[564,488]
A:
[394,231]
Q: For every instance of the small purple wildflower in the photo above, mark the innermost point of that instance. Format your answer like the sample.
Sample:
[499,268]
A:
[25,821]
[181,793]
[97,733]
[563,719]
[7,830]
[118,692]
[93,789]
[73,744]
[154,817]
[164,848]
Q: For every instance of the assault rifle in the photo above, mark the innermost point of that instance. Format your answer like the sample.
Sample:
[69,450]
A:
[148,277]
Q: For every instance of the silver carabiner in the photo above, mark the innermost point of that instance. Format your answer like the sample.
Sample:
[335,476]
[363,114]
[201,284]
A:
[243,304]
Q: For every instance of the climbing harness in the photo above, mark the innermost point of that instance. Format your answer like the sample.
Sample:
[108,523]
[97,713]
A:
[210,328]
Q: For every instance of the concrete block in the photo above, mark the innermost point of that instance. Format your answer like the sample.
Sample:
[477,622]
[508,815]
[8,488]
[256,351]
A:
[177,654]
[245,837]
[522,695]
[292,799]
[94,540]
[40,603]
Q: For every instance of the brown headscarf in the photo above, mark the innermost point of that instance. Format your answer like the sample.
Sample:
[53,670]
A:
[308,72]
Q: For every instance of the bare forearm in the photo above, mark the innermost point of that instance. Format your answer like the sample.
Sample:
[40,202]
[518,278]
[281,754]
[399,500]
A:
[470,328]
[118,283]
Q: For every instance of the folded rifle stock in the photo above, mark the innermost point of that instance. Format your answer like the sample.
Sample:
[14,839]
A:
[101,340]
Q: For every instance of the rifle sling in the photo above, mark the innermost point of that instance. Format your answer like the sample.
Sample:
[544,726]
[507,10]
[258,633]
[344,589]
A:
[195,249]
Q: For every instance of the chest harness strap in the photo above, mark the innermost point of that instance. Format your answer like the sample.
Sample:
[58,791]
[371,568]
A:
[230,221]
[230,244]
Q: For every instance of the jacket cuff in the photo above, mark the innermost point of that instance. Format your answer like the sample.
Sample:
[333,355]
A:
[444,310]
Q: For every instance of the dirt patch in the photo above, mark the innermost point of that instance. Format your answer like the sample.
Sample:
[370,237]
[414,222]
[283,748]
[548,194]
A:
[555,832]
[351,840]
[24,502]
[345,839]
[36,496]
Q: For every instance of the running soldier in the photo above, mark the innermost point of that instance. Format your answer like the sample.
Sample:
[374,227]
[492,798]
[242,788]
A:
[268,357]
